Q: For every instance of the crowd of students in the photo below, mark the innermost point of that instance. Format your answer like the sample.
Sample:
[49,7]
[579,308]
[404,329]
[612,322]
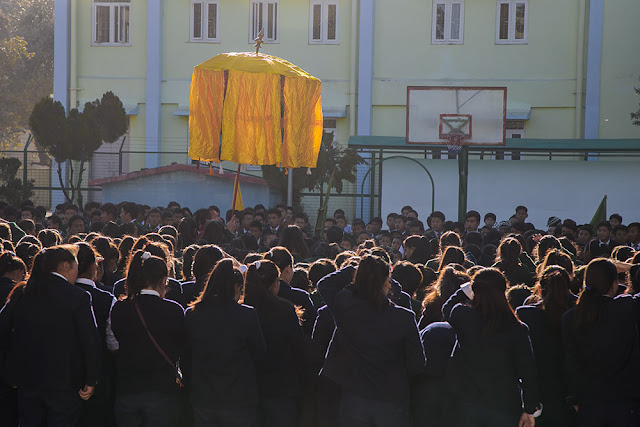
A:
[129,315]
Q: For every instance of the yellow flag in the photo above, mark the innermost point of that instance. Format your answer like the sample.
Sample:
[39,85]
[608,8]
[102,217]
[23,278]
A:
[237,195]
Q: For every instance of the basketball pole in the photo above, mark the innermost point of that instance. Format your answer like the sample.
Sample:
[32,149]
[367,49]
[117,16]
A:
[463,180]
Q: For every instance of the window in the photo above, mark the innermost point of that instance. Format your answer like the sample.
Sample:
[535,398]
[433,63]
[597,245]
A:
[448,22]
[323,22]
[511,22]
[111,23]
[331,126]
[264,15]
[204,20]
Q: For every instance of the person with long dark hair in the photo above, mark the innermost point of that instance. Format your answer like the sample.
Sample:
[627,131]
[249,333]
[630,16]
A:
[493,370]
[281,371]
[292,238]
[508,261]
[12,271]
[150,332]
[449,281]
[376,348]
[49,337]
[224,346]
[602,350]
[417,249]
[543,318]
[203,262]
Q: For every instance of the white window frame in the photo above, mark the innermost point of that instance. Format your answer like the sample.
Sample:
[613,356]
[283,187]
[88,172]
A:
[447,22]
[112,30]
[253,23]
[511,38]
[324,21]
[204,22]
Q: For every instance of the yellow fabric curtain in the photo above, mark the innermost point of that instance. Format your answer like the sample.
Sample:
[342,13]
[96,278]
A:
[205,114]
[302,123]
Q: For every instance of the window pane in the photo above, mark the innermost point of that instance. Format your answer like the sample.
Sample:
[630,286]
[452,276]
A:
[455,21]
[317,21]
[102,24]
[197,20]
[212,31]
[270,21]
[333,13]
[520,10]
[122,24]
[504,21]
[440,21]
[260,25]
[275,21]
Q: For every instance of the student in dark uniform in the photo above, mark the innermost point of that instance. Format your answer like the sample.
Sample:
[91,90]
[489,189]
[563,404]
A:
[150,332]
[543,318]
[281,371]
[98,411]
[51,341]
[602,350]
[224,346]
[203,262]
[12,271]
[508,261]
[284,260]
[376,347]
[493,371]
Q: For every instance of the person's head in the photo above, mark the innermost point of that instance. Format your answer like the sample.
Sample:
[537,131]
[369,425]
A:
[634,232]
[348,242]
[319,269]
[621,234]
[371,280]
[376,225]
[521,213]
[146,271]
[604,231]
[12,267]
[154,218]
[300,279]
[69,211]
[408,275]
[128,212]
[301,220]
[509,251]
[5,231]
[449,238]
[214,233]
[225,283]
[436,221]
[569,227]
[416,227]
[489,286]
[396,243]
[57,259]
[490,219]
[28,226]
[585,234]
[553,289]
[615,220]
[545,244]
[109,212]
[75,225]
[358,226]
[417,249]
[274,217]
[451,255]
[557,257]
[385,239]
[28,212]
[246,218]
[88,260]
[552,223]
[281,257]
[292,238]
[412,214]
[472,221]
[341,221]
[600,278]
[334,234]
[261,282]
[405,210]
[204,260]
[401,223]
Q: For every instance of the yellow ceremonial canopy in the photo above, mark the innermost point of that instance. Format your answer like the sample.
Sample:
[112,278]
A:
[254,109]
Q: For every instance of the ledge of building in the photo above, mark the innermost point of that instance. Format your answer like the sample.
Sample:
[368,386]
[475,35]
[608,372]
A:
[213,173]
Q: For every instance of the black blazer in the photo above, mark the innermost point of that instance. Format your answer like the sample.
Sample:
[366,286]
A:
[374,351]
[301,299]
[52,338]
[6,285]
[190,291]
[322,334]
[140,366]
[498,370]
[224,345]
[595,249]
[101,301]
[174,290]
[602,360]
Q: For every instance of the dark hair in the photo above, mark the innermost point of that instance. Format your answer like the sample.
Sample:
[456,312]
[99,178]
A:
[449,238]
[448,282]
[280,256]
[604,224]
[292,238]
[110,209]
[300,279]
[49,237]
[334,234]
[408,275]
[26,252]
[369,280]
[553,289]
[261,275]
[422,253]
[473,214]
[46,262]
[509,255]
[214,233]
[5,231]
[221,283]
[205,260]
[187,231]
[142,272]
[489,286]
[124,250]
[490,215]
[451,255]
[10,262]
[545,244]
[600,276]
[187,261]
[87,256]
[616,216]
[130,208]
[319,269]
[557,257]
[274,211]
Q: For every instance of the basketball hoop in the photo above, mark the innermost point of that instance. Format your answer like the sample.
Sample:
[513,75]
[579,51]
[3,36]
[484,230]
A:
[455,141]
[456,129]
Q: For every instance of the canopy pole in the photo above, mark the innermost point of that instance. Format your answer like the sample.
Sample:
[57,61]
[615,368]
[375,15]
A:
[290,188]
[235,190]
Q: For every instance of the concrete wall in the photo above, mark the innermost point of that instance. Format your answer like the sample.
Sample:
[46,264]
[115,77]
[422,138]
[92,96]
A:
[192,190]
[566,189]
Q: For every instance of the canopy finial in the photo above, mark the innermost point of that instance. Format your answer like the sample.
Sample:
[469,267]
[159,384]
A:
[259,41]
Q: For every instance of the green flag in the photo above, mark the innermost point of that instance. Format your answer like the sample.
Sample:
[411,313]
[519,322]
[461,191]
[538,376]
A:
[601,213]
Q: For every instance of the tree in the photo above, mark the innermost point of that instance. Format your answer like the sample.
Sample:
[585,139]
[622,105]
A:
[333,160]
[13,190]
[77,136]
[635,116]
[26,62]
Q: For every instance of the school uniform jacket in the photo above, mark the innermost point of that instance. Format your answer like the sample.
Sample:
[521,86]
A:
[602,360]
[224,346]
[140,366]
[53,341]
[300,298]
[6,285]
[101,301]
[374,351]
[174,290]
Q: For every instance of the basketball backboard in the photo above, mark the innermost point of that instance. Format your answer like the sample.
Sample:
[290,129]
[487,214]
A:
[477,114]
